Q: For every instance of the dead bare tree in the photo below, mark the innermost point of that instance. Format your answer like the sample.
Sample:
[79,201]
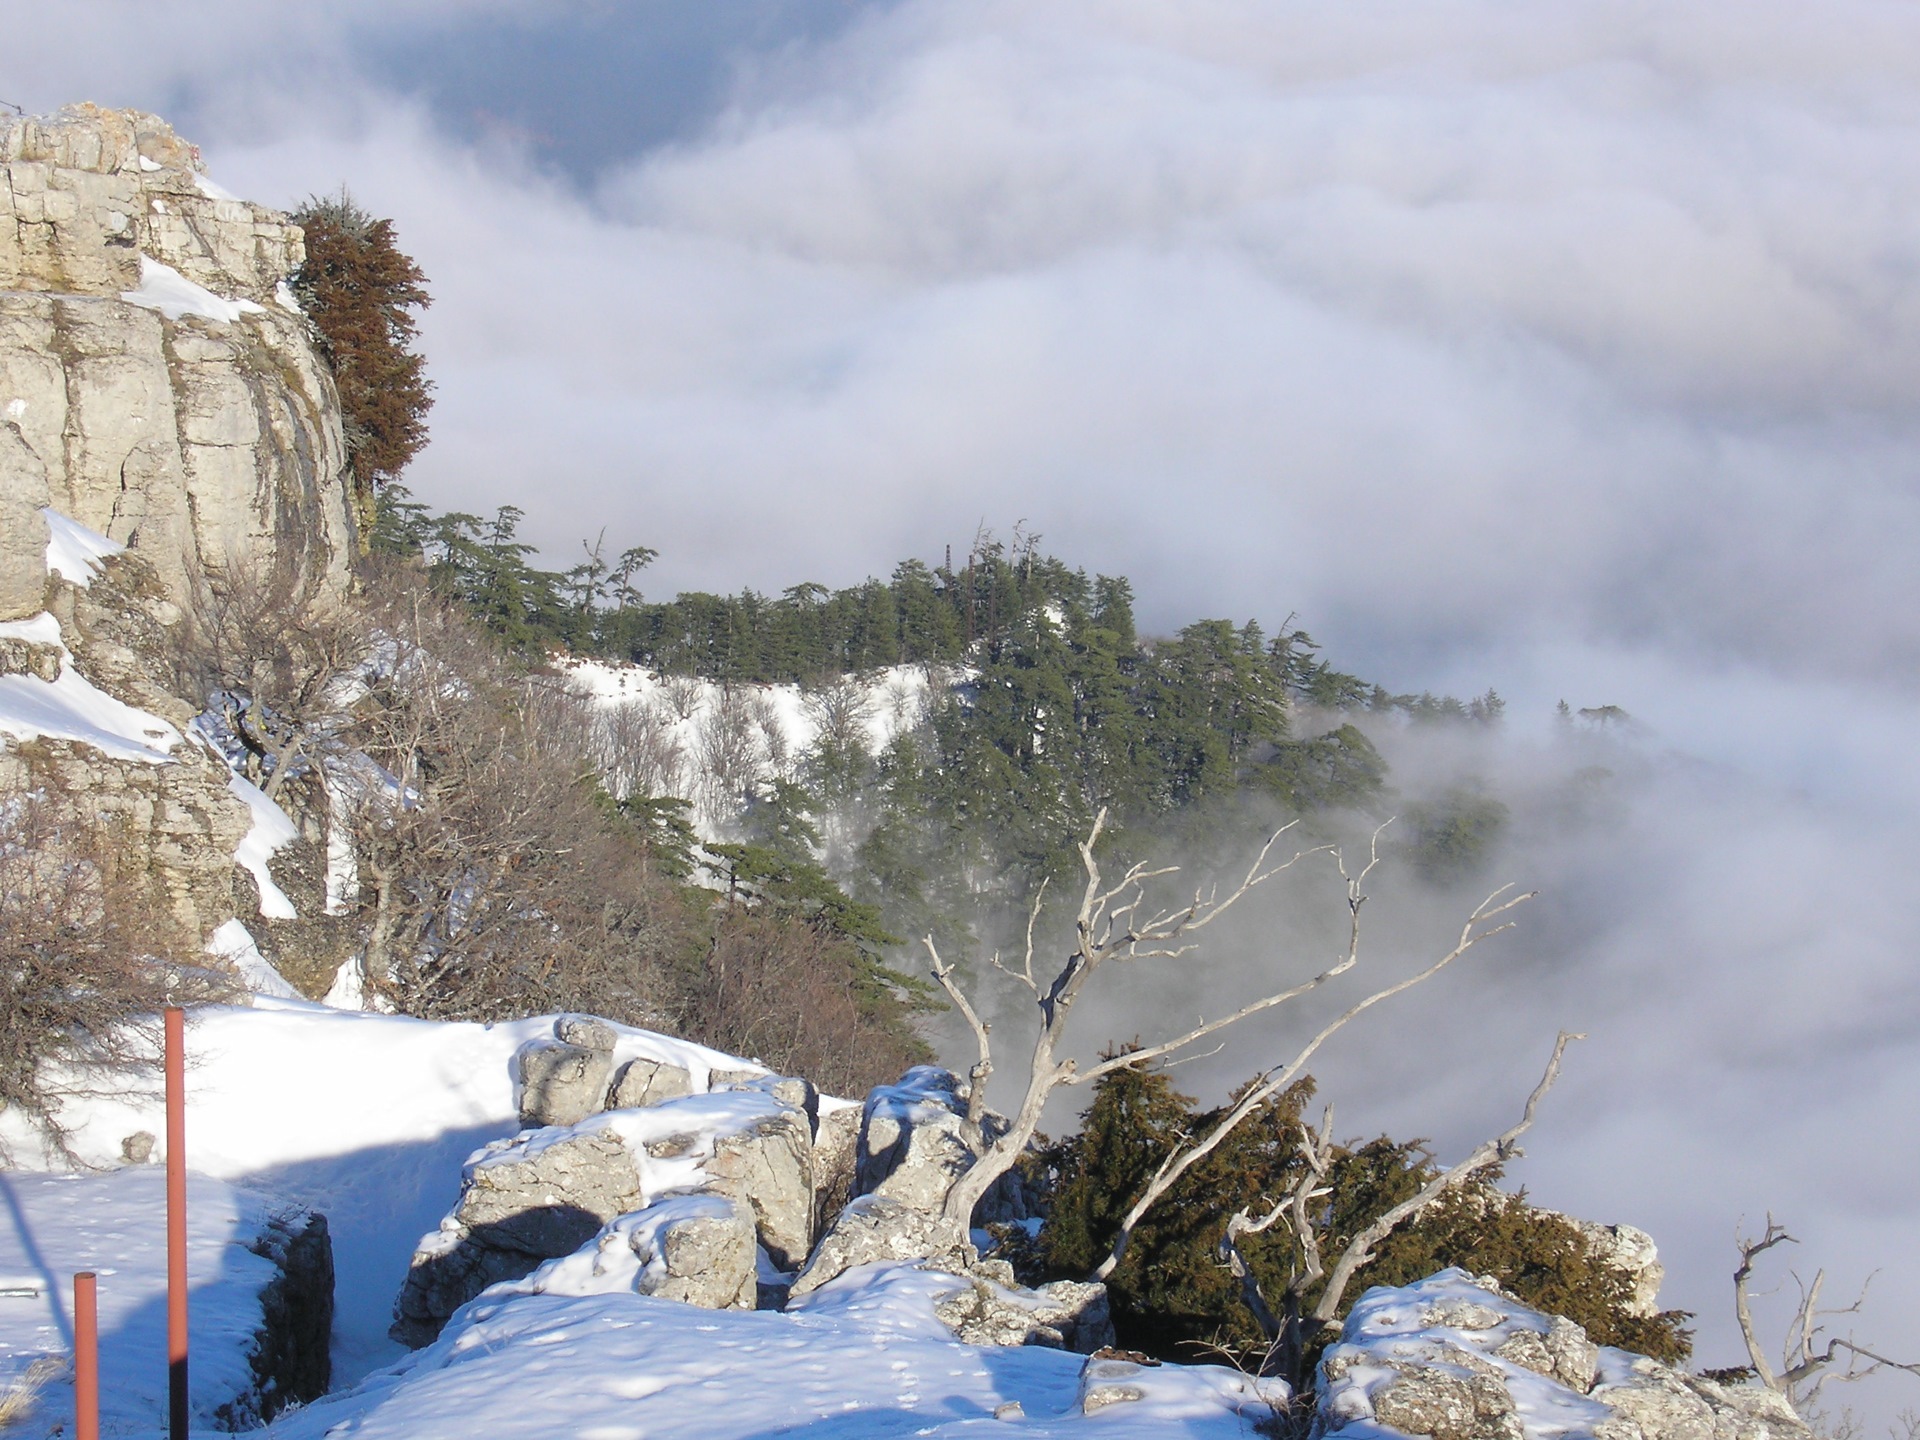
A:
[1292,1332]
[1113,922]
[1806,1365]
[635,750]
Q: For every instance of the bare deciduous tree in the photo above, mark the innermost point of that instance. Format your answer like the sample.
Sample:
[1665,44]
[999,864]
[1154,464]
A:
[1806,1364]
[1114,922]
[636,751]
[730,753]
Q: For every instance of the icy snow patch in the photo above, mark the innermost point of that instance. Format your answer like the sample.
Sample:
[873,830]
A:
[74,552]
[235,944]
[211,190]
[271,830]
[165,289]
[71,708]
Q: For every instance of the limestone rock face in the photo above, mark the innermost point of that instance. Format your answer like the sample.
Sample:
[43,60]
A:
[23,529]
[180,410]
[561,1083]
[1456,1358]
[913,1142]
[769,1168]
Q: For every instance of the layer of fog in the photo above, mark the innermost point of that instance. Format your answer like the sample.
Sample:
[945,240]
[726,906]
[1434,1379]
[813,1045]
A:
[1739,956]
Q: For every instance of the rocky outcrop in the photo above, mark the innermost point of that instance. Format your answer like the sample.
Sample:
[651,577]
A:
[157,383]
[611,1178]
[169,821]
[1063,1315]
[913,1142]
[292,1355]
[521,1202]
[1456,1358]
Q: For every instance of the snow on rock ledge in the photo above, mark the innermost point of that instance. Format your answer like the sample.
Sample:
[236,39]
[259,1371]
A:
[151,387]
[1456,1358]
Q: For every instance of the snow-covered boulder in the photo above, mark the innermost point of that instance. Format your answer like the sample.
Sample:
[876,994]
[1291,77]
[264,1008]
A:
[913,1141]
[561,1083]
[699,1249]
[876,1228]
[546,1193]
[523,1201]
[1456,1358]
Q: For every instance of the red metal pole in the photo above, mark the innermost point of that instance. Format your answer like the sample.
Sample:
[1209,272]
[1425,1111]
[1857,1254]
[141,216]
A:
[176,1223]
[86,1358]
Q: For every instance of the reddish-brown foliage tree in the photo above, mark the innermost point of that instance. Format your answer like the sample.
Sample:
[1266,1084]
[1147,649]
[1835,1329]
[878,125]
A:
[361,292]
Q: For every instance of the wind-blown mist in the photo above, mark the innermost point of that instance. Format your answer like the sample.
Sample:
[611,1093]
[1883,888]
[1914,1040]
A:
[1570,350]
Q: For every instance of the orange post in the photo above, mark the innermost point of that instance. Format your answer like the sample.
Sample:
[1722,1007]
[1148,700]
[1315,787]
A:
[86,1358]
[176,1055]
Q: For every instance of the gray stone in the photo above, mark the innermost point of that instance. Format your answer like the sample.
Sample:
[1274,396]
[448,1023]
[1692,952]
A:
[547,1196]
[137,1148]
[589,1032]
[913,1140]
[647,1082]
[836,1139]
[708,1260]
[874,1228]
[769,1168]
[1563,1353]
[560,1084]
[1066,1315]
[732,1079]
[1447,1405]
[1109,1382]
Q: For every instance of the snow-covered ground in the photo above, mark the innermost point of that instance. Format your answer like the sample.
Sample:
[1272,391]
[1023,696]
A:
[115,1225]
[861,1358]
[366,1118]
